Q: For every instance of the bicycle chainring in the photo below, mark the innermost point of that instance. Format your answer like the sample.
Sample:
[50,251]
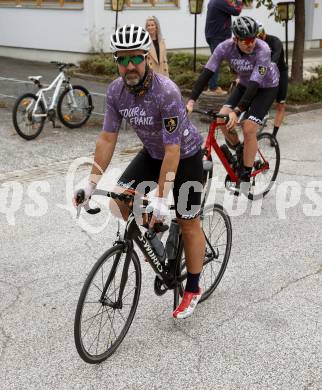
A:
[159,287]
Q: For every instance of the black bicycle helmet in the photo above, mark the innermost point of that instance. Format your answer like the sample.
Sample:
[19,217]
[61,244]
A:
[245,27]
[130,37]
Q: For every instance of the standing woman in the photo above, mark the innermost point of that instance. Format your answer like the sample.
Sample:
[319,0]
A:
[157,57]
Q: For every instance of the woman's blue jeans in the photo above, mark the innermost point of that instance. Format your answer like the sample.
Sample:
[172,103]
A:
[213,43]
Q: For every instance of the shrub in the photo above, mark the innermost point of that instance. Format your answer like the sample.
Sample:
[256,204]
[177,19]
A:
[308,92]
[181,72]
[102,64]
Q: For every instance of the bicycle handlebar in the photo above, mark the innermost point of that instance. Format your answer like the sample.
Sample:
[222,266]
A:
[212,114]
[80,198]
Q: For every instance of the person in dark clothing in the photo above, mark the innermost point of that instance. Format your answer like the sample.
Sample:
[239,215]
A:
[277,56]
[218,29]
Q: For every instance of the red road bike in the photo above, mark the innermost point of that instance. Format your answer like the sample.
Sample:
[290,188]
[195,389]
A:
[265,167]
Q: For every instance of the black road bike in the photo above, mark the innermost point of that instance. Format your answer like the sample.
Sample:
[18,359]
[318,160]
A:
[110,294]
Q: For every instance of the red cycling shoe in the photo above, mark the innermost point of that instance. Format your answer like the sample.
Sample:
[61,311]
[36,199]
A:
[187,305]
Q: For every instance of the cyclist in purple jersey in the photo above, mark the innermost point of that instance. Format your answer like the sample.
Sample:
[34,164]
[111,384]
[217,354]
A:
[258,83]
[171,156]
[150,116]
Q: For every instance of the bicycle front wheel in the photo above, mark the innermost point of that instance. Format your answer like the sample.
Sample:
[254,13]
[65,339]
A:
[103,317]
[74,106]
[217,228]
[267,162]
[27,120]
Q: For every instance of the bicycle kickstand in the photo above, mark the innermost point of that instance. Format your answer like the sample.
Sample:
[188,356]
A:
[54,124]
[52,118]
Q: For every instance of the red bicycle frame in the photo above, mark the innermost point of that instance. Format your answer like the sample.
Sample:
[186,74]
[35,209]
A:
[211,142]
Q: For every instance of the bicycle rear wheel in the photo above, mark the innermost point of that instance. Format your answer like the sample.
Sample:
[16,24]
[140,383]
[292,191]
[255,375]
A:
[267,161]
[217,228]
[74,106]
[27,125]
[103,320]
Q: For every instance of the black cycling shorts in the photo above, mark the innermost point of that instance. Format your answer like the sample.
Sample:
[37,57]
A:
[143,174]
[282,87]
[260,104]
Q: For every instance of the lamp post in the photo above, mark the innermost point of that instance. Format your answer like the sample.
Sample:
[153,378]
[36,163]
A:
[195,8]
[285,12]
[117,5]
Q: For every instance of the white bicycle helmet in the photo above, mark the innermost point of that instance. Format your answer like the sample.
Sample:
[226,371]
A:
[130,37]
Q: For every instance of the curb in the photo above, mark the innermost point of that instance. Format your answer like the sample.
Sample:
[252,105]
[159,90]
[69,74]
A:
[295,108]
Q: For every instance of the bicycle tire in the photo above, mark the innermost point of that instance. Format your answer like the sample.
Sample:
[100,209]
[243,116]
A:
[67,118]
[109,348]
[269,140]
[25,101]
[220,212]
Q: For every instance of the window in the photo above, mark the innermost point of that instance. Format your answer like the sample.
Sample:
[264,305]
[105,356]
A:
[43,3]
[144,3]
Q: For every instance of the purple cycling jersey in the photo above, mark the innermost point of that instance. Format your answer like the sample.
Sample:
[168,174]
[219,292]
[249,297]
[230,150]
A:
[256,66]
[158,117]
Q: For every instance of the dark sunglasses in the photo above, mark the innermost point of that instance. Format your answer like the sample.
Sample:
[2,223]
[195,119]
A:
[247,41]
[124,60]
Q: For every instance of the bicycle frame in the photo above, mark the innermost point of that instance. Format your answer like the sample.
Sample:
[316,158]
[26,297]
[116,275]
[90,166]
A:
[57,83]
[133,233]
[211,143]
[168,275]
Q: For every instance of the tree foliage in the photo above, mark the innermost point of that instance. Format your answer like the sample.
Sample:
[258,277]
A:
[267,3]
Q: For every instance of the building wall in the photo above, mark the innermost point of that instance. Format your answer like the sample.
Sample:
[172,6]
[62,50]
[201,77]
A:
[316,20]
[87,30]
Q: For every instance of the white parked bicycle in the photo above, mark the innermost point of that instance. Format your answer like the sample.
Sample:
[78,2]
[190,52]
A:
[73,105]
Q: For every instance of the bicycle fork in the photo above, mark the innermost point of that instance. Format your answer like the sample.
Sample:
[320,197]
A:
[118,303]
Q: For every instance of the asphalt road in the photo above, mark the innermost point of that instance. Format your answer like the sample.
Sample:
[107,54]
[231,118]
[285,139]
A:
[262,327]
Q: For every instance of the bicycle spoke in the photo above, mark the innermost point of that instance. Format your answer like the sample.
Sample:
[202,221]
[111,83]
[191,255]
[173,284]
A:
[124,296]
[117,288]
[111,325]
[98,336]
[98,288]
[119,311]
[84,334]
[102,278]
